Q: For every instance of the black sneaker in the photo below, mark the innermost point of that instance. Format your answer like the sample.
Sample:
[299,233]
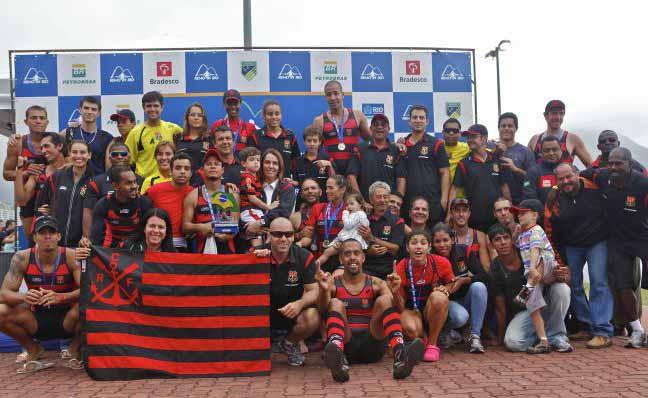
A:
[541,348]
[523,296]
[409,357]
[336,361]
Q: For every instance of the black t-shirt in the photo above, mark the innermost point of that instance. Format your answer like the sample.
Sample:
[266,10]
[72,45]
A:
[421,165]
[98,142]
[389,228]
[287,280]
[305,168]
[100,186]
[371,164]
[539,180]
[508,284]
[285,143]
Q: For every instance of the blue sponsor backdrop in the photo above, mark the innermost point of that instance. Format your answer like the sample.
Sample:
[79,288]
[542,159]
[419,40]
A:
[68,110]
[288,77]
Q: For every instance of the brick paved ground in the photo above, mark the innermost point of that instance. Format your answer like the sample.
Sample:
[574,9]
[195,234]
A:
[615,372]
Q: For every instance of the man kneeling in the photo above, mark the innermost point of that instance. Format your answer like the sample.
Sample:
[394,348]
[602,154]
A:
[360,316]
[49,309]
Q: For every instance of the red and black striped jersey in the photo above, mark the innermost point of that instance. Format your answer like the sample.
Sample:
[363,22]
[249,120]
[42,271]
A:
[359,307]
[350,139]
[59,280]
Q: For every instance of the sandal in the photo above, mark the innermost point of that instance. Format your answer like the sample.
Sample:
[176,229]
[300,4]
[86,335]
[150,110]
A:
[66,354]
[34,366]
[74,364]
[24,356]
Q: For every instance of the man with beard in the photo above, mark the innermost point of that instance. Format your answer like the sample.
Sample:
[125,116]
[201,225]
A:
[515,156]
[570,143]
[293,290]
[540,178]
[575,225]
[170,196]
[201,211]
[116,215]
[607,141]
[625,193]
[378,160]
[385,234]
[309,194]
[360,317]
[239,128]
[474,240]
[341,128]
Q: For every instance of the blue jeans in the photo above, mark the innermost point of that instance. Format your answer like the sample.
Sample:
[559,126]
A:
[597,313]
[475,302]
[520,333]
[457,315]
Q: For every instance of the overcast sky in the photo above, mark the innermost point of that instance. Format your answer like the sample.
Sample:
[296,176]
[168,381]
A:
[586,54]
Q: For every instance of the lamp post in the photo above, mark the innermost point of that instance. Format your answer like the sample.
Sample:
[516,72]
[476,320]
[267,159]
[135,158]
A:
[247,24]
[494,53]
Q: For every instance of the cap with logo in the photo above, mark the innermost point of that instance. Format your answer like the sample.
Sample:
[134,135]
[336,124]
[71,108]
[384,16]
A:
[380,116]
[45,222]
[555,105]
[528,205]
[459,202]
[122,115]
[475,129]
[232,94]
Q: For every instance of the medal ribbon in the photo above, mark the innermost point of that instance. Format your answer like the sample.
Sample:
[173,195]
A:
[329,219]
[339,129]
[413,285]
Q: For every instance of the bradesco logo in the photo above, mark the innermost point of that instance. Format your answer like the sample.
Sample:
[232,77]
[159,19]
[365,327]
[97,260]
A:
[371,72]
[121,75]
[206,72]
[413,73]
[369,110]
[35,76]
[164,69]
[290,72]
[450,72]
[78,75]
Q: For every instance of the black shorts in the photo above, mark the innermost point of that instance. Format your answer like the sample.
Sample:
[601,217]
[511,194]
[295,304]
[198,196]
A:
[29,209]
[278,322]
[623,269]
[364,348]
[50,324]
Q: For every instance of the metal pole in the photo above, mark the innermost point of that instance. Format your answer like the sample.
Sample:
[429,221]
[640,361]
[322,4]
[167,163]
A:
[499,100]
[474,82]
[247,24]
[13,131]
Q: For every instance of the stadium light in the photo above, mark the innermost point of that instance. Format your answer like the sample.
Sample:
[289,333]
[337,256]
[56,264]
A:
[494,53]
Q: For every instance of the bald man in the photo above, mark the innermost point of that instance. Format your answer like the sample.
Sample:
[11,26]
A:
[293,290]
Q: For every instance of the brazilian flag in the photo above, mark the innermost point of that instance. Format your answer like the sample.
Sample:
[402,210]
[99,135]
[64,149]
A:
[224,202]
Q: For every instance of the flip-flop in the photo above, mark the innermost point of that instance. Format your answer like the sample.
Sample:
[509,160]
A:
[34,366]
[66,354]
[74,364]
[24,356]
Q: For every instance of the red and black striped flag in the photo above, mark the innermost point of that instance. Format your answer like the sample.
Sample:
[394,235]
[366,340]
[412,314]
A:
[175,315]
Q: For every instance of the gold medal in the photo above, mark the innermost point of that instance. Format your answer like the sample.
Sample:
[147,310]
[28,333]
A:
[341,146]
[326,244]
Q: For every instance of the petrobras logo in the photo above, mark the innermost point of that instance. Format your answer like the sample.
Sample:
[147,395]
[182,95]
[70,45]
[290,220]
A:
[164,68]
[290,72]
[450,72]
[330,67]
[369,110]
[35,76]
[406,115]
[371,72]
[121,75]
[249,69]
[413,73]
[206,72]
[78,71]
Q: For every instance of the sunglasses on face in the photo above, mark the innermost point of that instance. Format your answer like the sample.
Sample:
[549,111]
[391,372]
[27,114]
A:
[117,154]
[451,131]
[280,234]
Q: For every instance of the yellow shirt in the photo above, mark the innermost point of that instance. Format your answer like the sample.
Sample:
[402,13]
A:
[143,139]
[455,155]
[152,180]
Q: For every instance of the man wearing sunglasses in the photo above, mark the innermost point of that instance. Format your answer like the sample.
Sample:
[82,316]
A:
[293,290]
[607,141]
[455,149]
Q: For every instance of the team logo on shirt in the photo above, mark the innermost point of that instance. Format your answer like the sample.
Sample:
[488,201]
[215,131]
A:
[387,230]
[60,279]
[631,201]
[83,190]
[453,109]
[424,150]
[389,159]
[287,144]
[365,303]
[293,277]
[495,168]
[249,69]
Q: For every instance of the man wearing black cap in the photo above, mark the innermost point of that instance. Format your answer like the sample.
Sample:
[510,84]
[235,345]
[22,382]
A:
[481,177]
[625,193]
[49,309]
[474,240]
[378,160]
[540,178]
[239,128]
[607,141]
[125,120]
[570,143]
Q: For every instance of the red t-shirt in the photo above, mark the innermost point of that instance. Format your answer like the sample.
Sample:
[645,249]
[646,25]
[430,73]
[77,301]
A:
[250,186]
[241,130]
[317,220]
[438,271]
[165,196]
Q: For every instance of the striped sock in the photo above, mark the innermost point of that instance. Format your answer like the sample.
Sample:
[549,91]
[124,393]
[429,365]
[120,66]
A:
[392,325]
[335,329]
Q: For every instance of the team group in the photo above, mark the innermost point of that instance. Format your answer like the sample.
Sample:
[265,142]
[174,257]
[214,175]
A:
[414,245]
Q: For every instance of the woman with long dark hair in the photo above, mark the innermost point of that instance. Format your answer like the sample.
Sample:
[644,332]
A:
[153,233]
[194,140]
